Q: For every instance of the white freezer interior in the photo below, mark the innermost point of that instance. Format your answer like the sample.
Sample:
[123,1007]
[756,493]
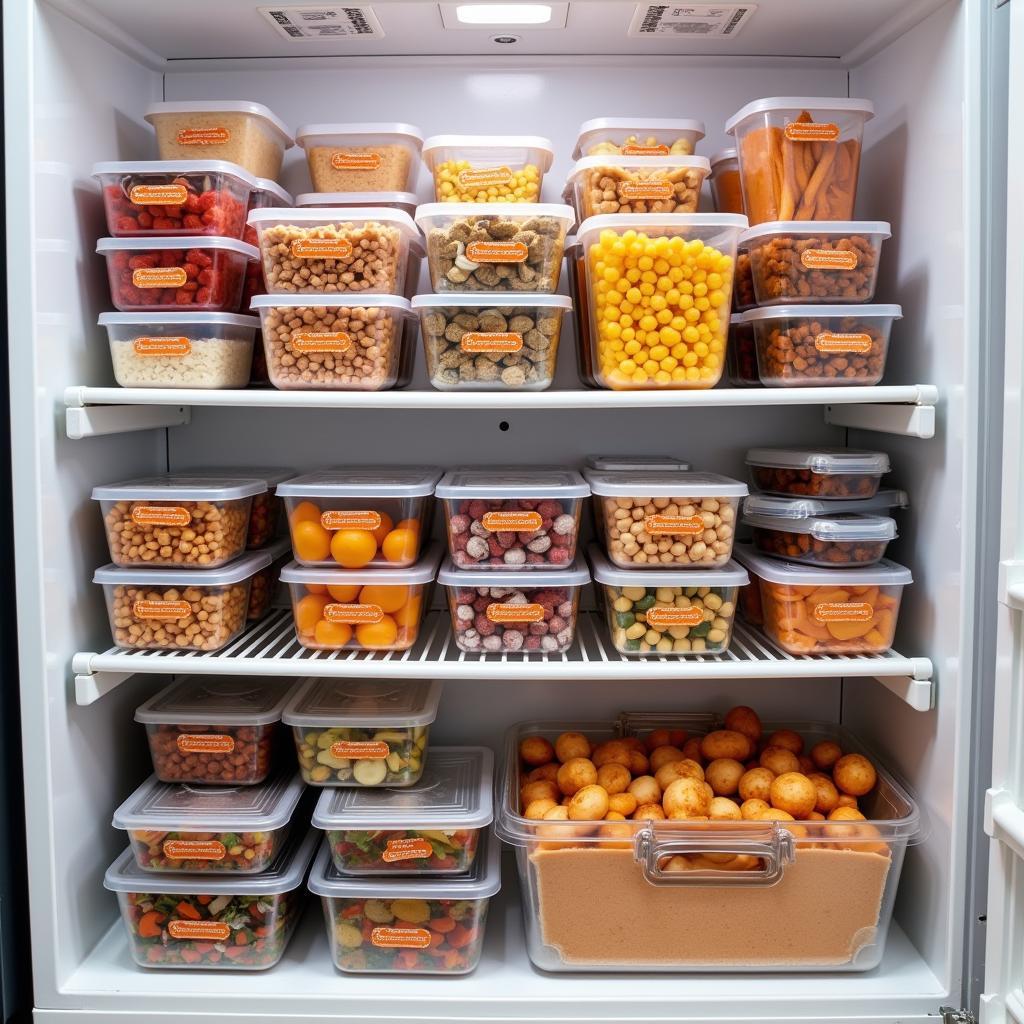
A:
[77,87]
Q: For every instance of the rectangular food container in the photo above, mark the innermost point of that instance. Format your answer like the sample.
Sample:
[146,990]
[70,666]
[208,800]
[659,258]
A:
[404,201]
[179,274]
[668,339]
[369,157]
[494,247]
[800,156]
[487,168]
[242,923]
[827,261]
[743,297]
[769,895]
[176,197]
[375,609]
[636,463]
[726,190]
[248,134]
[215,730]
[576,273]
[843,473]
[491,341]
[349,342]
[359,516]
[741,356]
[637,184]
[218,830]
[267,518]
[495,611]
[181,350]
[362,732]
[268,193]
[266,582]
[638,136]
[186,609]
[659,520]
[512,517]
[432,828]
[177,519]
[749,603]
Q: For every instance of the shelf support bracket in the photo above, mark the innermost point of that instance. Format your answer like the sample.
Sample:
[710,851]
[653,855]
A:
[91,686]
[905,420]
[97,420]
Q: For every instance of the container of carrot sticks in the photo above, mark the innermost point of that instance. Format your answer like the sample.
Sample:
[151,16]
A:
[799,156]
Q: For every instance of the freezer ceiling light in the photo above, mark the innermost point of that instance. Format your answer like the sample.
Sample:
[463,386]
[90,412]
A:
[503,14]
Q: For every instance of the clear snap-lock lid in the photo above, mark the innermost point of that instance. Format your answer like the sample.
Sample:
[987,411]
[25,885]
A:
[600,129]
[404,201]
[362,133]
[271,476]
[334,300]
[149,243]
[363,482]
[233,572]
[823,461]
[269,187]
[177,167]
[492,300]
[522,148]
[364,703]
[424,571]
[865,312]
[181,487]
[840,228]
[664,485]
[455,792]
[778,570]
[222,700]
[814,104]
[777,506]
[636,463]
[650,163]
[265,114]
[729,575]
[528,578]
[154,320]
[839,528]
[428,212]
[496,482]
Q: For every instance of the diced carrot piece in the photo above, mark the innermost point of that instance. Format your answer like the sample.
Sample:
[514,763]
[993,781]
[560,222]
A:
[188,911]
[443,924]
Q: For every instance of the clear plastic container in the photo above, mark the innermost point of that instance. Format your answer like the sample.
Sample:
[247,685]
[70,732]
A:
[491,341]
[782,507]
[265,584]
[576,272]
[501,612]
[209,830]
[377,157]
[827,261]
[639,348]
[214,730]
[181,350]
[638,136]
[179,609]
[843,473]
[358,516]
[198,922]
[404,201]
[741,356]
[371,609]
[183,274]
[659,520]
[800,156]
[350,342]
[750,601]
[267,518]
[178,197]
[407,925]
[432,828]
[267,194]
[487,168]
[726,190]
[761,895]
[177,519]
[808,610]
[512,517]
[637,184]
[362,732]
[743,297]
[248,134]
[843,539]
[636,463]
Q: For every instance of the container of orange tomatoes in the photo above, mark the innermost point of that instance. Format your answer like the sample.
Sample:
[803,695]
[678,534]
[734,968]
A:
[357,517]
[377,609]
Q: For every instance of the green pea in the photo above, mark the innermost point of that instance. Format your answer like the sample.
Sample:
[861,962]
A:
[701,631]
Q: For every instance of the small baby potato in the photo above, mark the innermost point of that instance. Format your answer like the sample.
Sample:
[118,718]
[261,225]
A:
[645,789]
[686,797]
[825,754]
[724,809]
[539,791]
[745,720]
[725,743]
[657,738]
[788,739]
[622,803]
[710,792]
[750,809]
[535,750]
[613,777]
[570,745]
[815,816]
[558,813]
[779,760]
[617,830]
[612,752]
[545,773]
[691,750]
[649,812]
[638,763]
[588,804]
[685,769]
[828,795]
[664,755]
[678,863]
[756,784]
[576,773]
[538,809]
[854,774]
[807,766]
[845,800]
[775,814]
[846,814]
[793,793]
[614,816]
[724,774]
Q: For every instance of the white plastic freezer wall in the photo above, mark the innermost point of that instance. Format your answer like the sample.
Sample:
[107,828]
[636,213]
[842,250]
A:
[78,78]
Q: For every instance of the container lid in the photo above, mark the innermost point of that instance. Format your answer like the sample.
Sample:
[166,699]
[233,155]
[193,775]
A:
[155,244]
[455,791]
[167,319]
[363,482]
[224,107]
[668,163]
[824,461]
[538,142]
[665,485]
[285,873]
[817,104]
[407,131]
[661,222]
[778,570]
[217,700]
[424,571]
[818,312]
[334,300]
[529,577]
[234,572]
[523,211]
[815,227]
[271,187]
[844,527]
[512,482]
[729,575]
[636,463]
[180,486]
[489,300]
[602,125]
[325,199]
[364,703]
[481,881]
[180,808]
[722,156]
[177,167]
[271,476]
[776,505]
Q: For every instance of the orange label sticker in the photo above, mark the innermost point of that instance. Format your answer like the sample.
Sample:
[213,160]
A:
[321,341]
[403,938]
[484,177]
[491,341]
[159,277]
[322,248]
[205,743]
[515,612]
[812,131]
[406,849]
[497,252]
[158,195]
[658,524]
[657,189]
[203,136]
[362,750]
[831,342]
[194,849]
[165,611]
[333,520]
[162,346]
[829,259]
[353,613]
[843,611]
[514,522]
[161,515]
[634,150]
[342,161]
[692,616]
[205,931]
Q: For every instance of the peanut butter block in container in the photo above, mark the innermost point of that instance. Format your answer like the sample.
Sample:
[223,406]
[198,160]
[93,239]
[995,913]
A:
[368,157]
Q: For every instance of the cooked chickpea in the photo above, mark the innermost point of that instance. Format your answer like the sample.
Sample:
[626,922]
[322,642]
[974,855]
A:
[537,809]
[779,760]
[612,752]
[664,755]
[576,773]
[724,809]
[825,754]
[613,777]
[588,804]
[649,812]
[788,739]
[827,794]
[542,790]
[645,789]
[854,774]
[686,798]
[745,720]
[570,745]
[685,769]
[536,751]
[793,793]
[724,775]
[622,803]
[756,784]
[751,809]
[725,743]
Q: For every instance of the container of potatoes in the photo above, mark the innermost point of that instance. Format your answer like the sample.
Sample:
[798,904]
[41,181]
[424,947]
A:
[784,841]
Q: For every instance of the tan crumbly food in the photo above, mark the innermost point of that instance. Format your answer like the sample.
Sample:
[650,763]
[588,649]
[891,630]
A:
[209,363]
[615,189]
[359,168]
[238,138]
[187,618]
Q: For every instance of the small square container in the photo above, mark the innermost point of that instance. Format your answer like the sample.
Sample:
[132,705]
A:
[576,273]
[177,519]
[181,350]
[659,520]
[800,156]
[636,463]
[741,356]
[197,922]
[488,168]
[267,518]
[673,342]
[265,584]
[512,517]
[491,341]
[186,274]
[638,136]
[501,612]
[248,134]
[842,473]
[177,197]
[681,614]
[375,609]
[726,190]
[808,610]
[214,730]
[369,157]
[794,262]
[495,247]
[362,732]
[404,201]
[359,516]
[268,193]
[637,184]
[210,830]
[407,925]
[432,828]
[349,342]
[179,609]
